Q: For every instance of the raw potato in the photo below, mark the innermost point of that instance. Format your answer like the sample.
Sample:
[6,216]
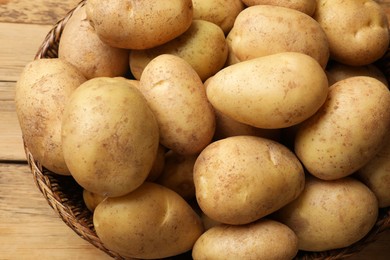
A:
[151,222]
[81,46]
[158,165]
[330,214]
[262,240]
[109,136]
[221,12]
[177,97]
[262,30]
[347,131]
[273,91]
[91,199]
[203,46]
[241,179]
[357,30]
[306,6]
[42,91]
[136,24]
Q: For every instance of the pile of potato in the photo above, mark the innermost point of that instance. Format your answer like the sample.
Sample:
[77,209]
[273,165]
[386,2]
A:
[236,129]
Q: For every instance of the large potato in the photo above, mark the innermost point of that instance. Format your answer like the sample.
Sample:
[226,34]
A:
[177,97]
[306,6]
[347,131]
[262,30]
[42,91]
[240,179]
[151,222]
[136,24]
[273,91]
[203,46]
[330,214]
[357,30]
[109,136]
[262,240]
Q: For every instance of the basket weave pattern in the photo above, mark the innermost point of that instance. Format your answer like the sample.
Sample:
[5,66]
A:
[64,195]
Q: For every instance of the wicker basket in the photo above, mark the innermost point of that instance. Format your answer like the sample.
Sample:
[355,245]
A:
[64,195]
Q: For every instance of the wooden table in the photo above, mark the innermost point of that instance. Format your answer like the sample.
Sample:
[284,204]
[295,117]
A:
[29,228]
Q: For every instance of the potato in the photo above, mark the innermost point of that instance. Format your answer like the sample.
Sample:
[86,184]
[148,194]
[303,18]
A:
[41,93]
[241,179]
[149,223]
[109,136]
[347,131]
[203,46]
[262,240]
[91,199]
[274,91]
[262,30]
[330,214]
[158,165]
[207,221]
[178,174]
[81,46]
[221,12]
[137,24]
[350,27]
[177,97]
[306,6]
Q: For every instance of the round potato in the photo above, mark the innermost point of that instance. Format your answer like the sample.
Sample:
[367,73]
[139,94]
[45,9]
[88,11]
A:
[91,199]
[273,91]
[81,46]
[41,93]
[176,95]
[109,136]
[350,27]
[347,131]
[262,30]
[306,6]
[262,240]
[151,222]
[240,179]
[137,24]
[158,165]
[330,214]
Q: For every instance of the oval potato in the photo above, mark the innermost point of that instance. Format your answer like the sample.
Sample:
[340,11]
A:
[305,6]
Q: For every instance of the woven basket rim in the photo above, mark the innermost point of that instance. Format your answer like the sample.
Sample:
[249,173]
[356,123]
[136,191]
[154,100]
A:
[49,183]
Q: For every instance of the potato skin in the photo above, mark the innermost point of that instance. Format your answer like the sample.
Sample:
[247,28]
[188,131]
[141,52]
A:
[91,199]
[305,6]
[262,240]
[151,222]
[347,131]
[330,214]
[109,136]
[241,179]
[42,91]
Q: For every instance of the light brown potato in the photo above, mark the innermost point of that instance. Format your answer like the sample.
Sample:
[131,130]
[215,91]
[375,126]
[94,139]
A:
[207,221]
[81,46]
[91,199]
[330,214]
[203,46]
[347,131]
[351,27]
[262,30]
[151,222]
[274,91]
[221,12]
[241,179]
[158,165]
[109,136]
[177,98]
[262,240]
[137,24]
[305,6]
[42,91]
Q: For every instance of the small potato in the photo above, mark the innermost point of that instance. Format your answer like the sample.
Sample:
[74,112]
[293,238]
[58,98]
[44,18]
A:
[241,179]
[274,91]
[136,24]
[42,91]
[109,136]
[221,12]
[151,222]
[158,165]
[208,222]
[262,30]
[306,6]
[91,199]
[81,46]
[177,98]
[262,240]
[330,214]
[347,131]
[357,31]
